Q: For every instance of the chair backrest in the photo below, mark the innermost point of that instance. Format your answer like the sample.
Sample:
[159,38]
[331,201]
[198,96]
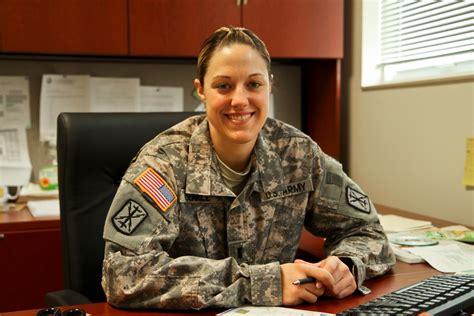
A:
[94,150]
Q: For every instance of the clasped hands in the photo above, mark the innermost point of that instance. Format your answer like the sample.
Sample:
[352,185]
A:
[333,279]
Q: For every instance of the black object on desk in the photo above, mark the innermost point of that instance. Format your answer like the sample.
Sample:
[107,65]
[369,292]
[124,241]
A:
[438,295]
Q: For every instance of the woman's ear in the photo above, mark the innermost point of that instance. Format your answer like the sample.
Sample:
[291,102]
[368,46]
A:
[199,89]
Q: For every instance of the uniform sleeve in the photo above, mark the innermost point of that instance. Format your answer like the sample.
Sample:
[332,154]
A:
[138,271]
[343,214]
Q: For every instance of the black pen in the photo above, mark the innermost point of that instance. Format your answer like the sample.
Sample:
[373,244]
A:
[304,281]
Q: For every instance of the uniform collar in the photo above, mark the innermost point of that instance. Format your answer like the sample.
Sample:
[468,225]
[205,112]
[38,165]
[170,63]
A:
[204,178]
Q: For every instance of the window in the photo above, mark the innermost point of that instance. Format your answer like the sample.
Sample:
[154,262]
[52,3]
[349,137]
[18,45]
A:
[408,40]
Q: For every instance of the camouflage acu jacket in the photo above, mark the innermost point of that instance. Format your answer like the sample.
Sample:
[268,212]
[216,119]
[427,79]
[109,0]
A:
[178,238]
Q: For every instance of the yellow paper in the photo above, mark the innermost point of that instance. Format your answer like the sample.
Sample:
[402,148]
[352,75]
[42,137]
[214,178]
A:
[469,165]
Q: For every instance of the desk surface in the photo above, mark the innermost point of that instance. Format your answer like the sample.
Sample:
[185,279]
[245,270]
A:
[401,275]
[22,219]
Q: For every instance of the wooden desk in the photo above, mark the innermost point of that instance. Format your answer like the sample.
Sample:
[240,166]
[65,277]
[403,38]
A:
[401,275]
[34,265]
[30,263]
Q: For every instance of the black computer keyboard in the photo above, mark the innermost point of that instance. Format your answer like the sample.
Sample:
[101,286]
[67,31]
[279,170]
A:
[438,295]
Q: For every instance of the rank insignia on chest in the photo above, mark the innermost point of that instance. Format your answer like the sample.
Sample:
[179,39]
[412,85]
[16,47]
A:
[358,200]
[129,217]
[153,185]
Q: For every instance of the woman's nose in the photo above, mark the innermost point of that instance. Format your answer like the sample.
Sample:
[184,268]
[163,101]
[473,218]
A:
[240,97]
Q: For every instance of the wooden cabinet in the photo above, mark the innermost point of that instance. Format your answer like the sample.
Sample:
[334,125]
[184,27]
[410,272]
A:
[176,28]
[30,260]
[83,27]
[291,29]
[297,28]
[308,33]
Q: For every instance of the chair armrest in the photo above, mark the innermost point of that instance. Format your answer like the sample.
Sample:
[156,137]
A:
[65,297]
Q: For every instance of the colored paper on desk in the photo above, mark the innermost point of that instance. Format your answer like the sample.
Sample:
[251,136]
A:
[460,235]
[469,163]
[264,310]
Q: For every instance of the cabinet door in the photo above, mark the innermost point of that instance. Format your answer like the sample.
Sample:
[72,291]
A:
[177,28]
[30,266]
[297,28]
[96,27]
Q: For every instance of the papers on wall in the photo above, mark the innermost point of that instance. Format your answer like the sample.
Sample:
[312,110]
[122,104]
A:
[265,310]
[161,99]
[15,100]
[447,257]
[394,223]
[44,208]
[61,93]
[83,93]
[15,164]
[114,94]
[468,179]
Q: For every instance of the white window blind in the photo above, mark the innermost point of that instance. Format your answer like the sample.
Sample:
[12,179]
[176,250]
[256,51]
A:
[422,39]
[418,30]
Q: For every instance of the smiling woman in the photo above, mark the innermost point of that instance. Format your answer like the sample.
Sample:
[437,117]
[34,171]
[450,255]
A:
[222,200]
[236,93]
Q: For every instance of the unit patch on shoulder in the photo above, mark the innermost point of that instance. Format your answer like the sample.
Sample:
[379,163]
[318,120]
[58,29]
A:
[156,188]
[358,200]
[129,217]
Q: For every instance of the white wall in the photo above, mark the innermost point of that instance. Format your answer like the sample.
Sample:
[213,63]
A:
[407,144]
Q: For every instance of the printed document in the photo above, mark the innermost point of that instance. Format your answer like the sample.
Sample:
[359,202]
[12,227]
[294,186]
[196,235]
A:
[161,99]
[15,164]
[15,100]
[114,94]
[61,93]
[448,257]
[264,310]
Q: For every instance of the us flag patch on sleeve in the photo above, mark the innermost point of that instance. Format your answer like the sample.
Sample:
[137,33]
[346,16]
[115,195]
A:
[156,188]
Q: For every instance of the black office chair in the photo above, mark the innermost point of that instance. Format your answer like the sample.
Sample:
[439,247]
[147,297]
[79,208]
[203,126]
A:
[94,150]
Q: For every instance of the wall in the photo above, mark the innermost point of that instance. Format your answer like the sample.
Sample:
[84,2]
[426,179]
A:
[286,91]
[406,145]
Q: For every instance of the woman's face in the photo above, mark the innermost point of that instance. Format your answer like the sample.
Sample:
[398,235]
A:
[236,92]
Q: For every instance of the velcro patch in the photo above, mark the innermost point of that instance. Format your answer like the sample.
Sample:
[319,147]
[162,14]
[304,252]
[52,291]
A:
[332,178]
[151,183]
[129,217]
[358,200]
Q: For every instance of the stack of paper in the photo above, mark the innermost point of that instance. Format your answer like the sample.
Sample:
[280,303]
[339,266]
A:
[44,208]
[394,223]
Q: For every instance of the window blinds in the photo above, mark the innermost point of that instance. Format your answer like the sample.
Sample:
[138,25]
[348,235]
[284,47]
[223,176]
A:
[419,30]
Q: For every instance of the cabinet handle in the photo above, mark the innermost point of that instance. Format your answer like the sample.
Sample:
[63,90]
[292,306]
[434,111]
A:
[2,236]
[238,3]
[245,2]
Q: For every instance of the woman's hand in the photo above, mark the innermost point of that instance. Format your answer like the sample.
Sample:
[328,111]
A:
[344,281]
[309,292]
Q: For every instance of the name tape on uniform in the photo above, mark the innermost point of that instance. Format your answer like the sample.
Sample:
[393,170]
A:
[290,189]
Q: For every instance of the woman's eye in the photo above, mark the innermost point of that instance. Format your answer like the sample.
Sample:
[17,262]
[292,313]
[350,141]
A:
[223,86]
[255,85]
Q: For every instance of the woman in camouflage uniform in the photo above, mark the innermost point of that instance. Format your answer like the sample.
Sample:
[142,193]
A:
[210,212]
